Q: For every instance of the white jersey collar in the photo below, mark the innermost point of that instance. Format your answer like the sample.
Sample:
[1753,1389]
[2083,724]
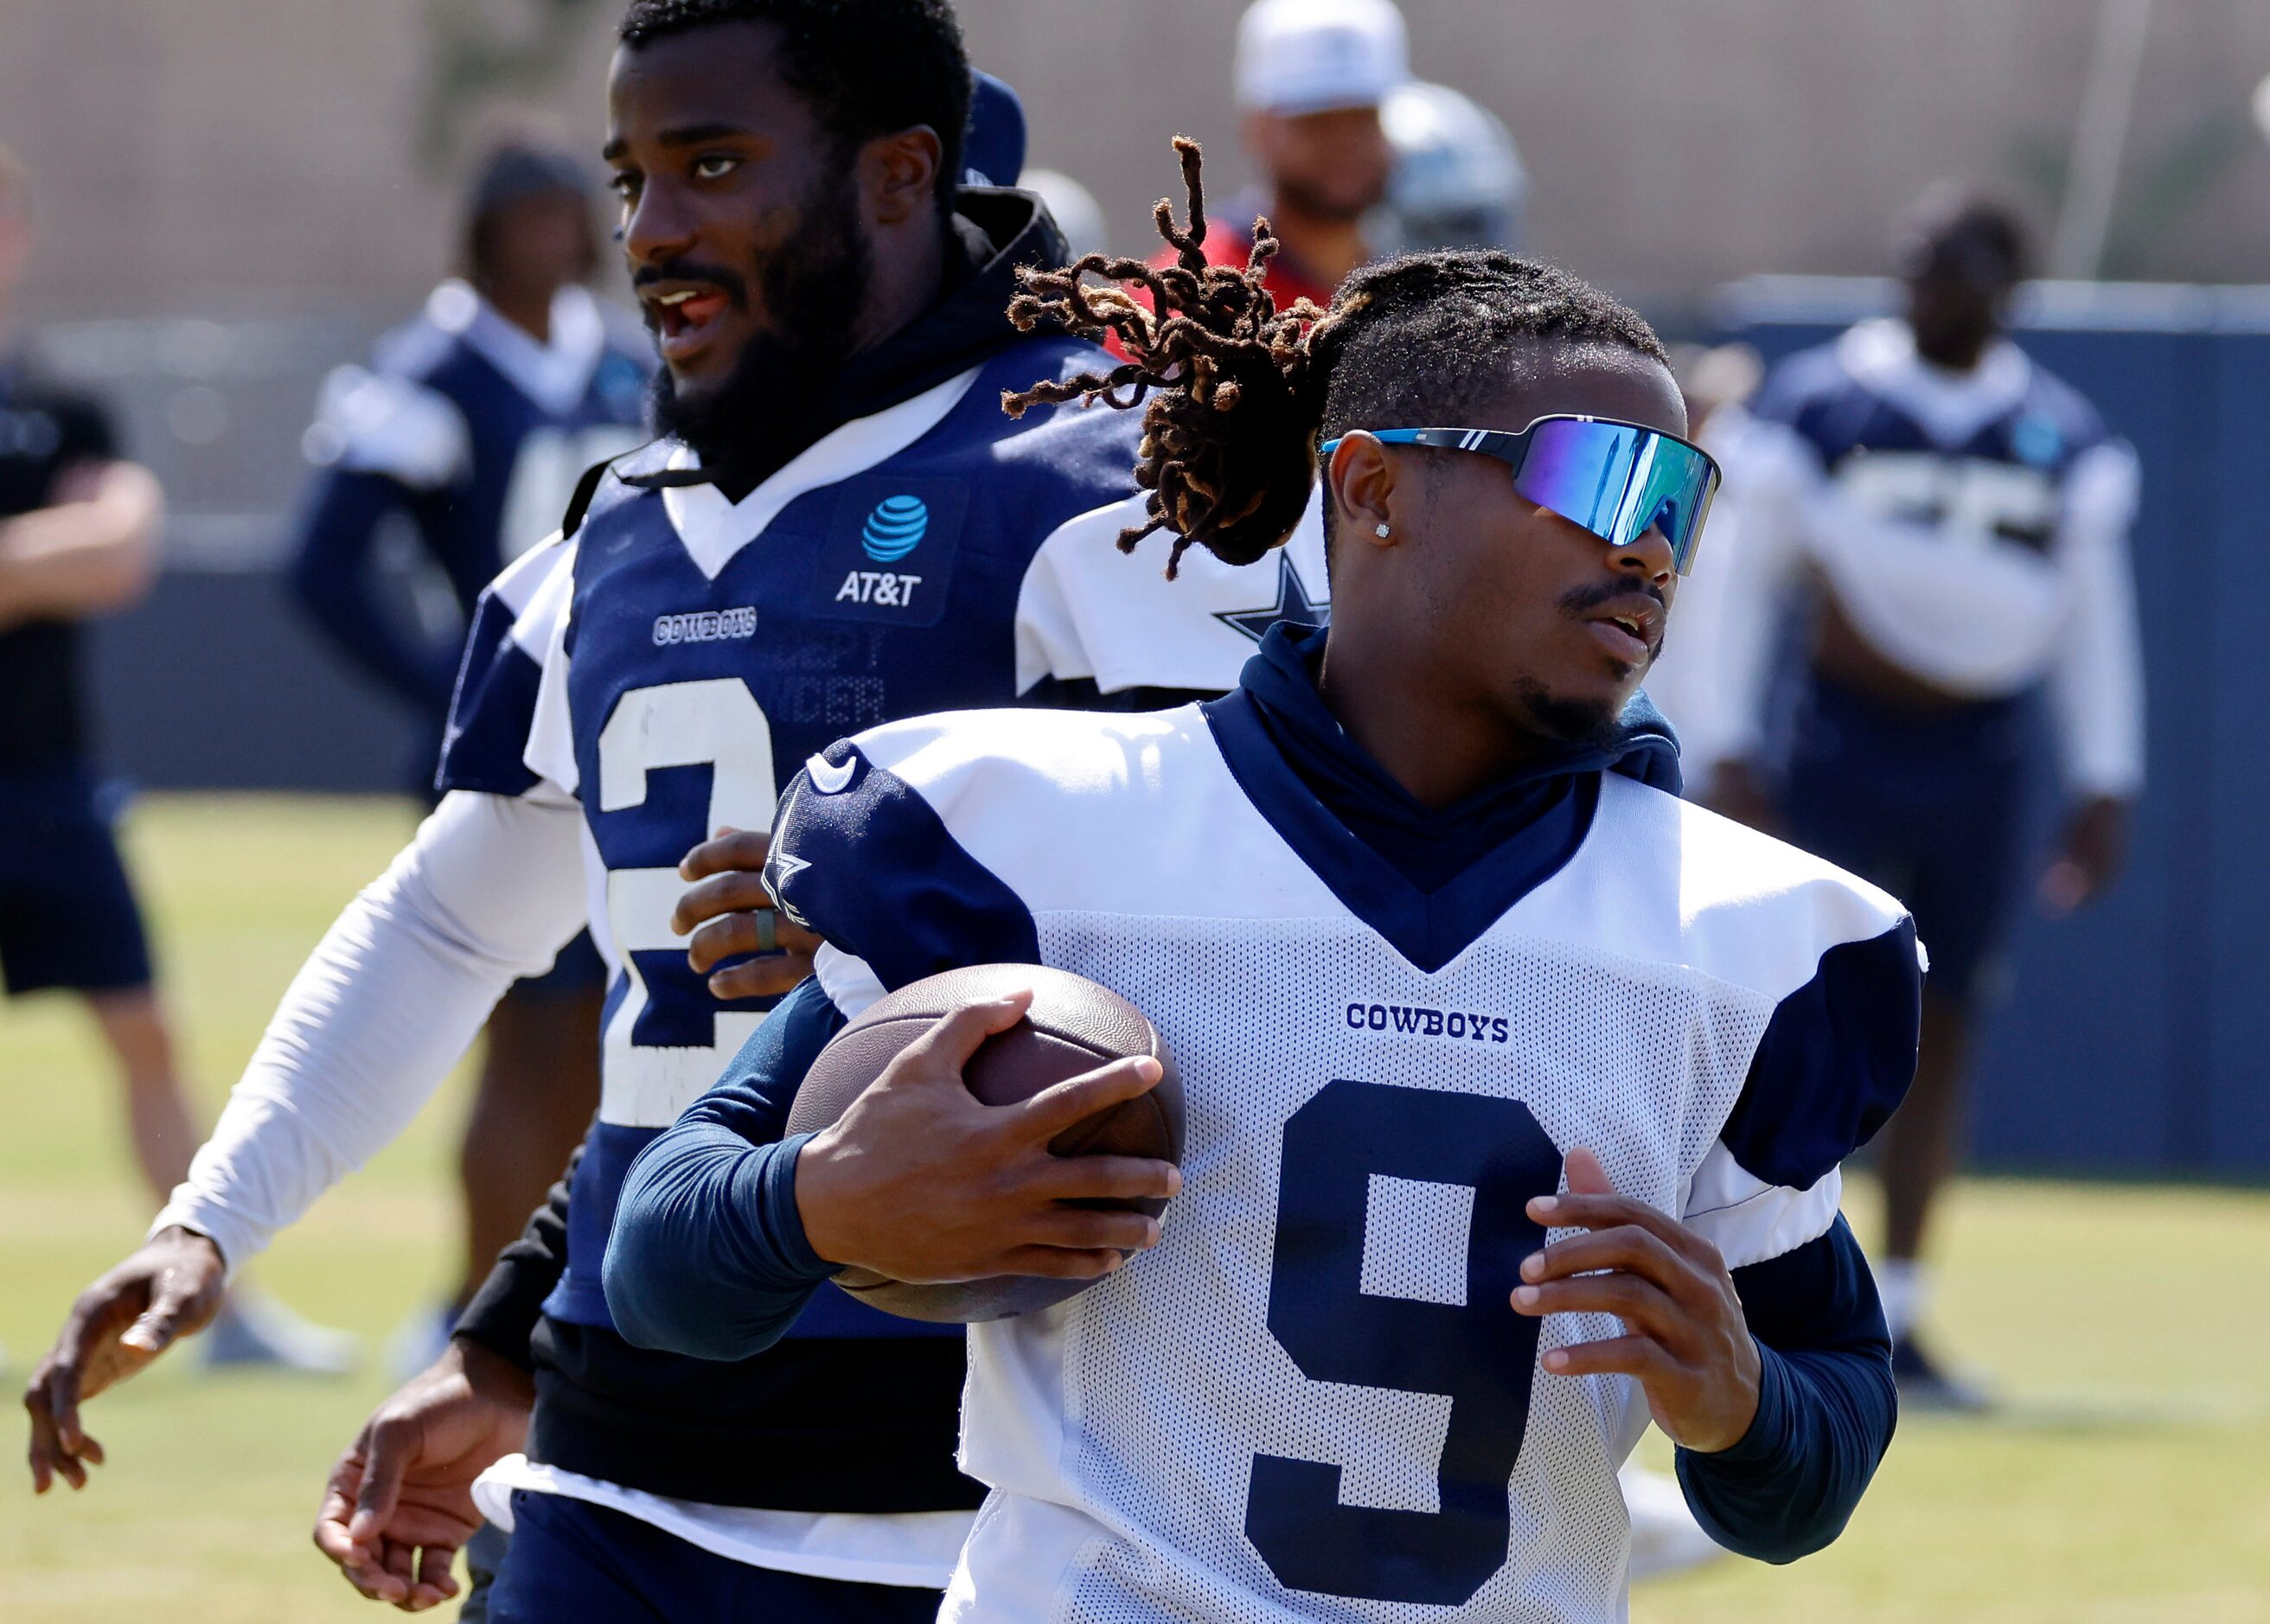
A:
[713,528]
[1951,406]
[555,375]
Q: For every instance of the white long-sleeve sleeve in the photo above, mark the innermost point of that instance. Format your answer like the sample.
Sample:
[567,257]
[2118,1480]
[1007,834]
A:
[2097,686]
[487,891]
[1770,477]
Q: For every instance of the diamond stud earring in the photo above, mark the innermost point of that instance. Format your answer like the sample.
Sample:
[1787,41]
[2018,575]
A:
[1381,532]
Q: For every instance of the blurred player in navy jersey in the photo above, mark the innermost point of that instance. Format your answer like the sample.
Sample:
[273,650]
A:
[1516,1087]
[1953,522]
[840,525]
[472,423]
[78,538]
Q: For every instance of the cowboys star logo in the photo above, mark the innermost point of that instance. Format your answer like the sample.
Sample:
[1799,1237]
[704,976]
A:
[1292,603]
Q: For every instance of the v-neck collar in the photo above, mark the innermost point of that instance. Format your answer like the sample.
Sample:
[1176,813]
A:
[1307,777]
[1952,406]
[553,374]
[1429,929]
[713,528]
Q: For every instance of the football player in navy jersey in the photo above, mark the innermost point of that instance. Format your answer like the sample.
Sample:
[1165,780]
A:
[1516,1087]
[840,526]
[79,539]
[473,421]
[1952,522]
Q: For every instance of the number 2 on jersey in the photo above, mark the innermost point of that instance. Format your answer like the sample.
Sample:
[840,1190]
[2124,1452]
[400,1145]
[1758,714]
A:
[1476,1351]
[714,724]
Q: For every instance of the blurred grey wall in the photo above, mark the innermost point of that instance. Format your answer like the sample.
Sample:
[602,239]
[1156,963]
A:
[258,157]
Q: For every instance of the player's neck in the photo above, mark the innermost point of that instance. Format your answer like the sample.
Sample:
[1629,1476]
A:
[1956,355]
[1326,249]
[528,307]
[1400,712]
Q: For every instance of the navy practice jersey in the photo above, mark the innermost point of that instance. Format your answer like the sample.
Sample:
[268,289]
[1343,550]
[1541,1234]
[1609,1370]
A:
[43,433]
[1972,527]
[674,663]
[1313,1400]
[475,431]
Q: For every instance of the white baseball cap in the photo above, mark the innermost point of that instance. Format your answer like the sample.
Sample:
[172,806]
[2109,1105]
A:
[1314,56]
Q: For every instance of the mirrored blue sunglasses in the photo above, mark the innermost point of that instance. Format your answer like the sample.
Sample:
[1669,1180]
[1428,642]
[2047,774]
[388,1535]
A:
[1616,479]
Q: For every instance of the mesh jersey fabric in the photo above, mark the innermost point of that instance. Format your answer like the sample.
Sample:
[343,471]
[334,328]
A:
[1302,1404]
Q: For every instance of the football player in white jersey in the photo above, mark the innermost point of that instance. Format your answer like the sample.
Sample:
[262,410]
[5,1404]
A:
[1516,1086]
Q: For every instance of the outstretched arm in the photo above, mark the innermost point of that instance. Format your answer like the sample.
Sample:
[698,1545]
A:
[392,998]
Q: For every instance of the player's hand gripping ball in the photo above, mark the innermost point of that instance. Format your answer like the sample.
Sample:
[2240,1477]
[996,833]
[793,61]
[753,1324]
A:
[1073,1027]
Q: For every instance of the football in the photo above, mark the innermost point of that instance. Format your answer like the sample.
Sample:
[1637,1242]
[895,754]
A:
[1074,1027]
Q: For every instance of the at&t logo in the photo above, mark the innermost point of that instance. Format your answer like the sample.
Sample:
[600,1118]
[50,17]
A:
[895,529]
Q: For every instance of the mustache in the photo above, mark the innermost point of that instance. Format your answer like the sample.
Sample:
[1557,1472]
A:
[727,282]
[1576,602]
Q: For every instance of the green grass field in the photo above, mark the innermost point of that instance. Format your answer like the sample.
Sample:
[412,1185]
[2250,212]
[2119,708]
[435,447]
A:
[2131,1481]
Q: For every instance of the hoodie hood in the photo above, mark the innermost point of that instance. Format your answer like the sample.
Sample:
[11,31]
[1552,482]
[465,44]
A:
[995,230]
[1282,678]
[1542,808]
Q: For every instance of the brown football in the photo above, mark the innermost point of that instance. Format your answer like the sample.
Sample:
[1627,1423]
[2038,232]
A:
[1074,1027]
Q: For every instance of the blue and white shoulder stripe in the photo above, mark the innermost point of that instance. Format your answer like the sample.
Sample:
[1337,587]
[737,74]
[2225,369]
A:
[506,706]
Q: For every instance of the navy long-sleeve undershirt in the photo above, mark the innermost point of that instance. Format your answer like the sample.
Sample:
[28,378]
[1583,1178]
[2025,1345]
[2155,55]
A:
[709,1258]
[708,1255]
[1826,1405]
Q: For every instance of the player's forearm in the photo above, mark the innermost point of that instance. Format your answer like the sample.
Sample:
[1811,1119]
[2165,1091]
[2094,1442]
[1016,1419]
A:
[365,1035]
[389,1000]
[2096,688]
[708,1255]
[1826,1406]
[82,557]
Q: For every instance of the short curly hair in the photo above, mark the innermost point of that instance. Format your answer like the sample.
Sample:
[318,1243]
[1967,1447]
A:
[868,67]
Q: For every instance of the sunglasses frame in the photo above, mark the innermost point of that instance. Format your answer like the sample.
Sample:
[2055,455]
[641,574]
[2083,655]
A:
[1511,447]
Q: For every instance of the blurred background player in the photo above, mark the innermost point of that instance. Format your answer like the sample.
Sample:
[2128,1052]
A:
[1457,181]
[468,430]
[78,538]
[1954,523]
[1311,77]
[1717,383]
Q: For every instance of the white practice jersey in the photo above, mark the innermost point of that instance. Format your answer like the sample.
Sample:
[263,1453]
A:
[1313,1400]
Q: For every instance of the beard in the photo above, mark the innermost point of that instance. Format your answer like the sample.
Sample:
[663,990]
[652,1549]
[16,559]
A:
[767,407]
[1321,201]
[1584,723]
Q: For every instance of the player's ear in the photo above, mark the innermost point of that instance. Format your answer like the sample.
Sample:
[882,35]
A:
[1361,478]
[899,174]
